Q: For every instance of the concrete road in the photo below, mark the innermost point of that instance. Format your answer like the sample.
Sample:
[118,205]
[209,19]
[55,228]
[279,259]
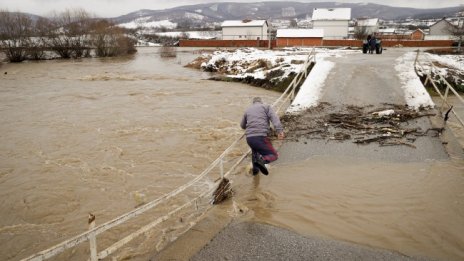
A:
[252,241]
[367,80]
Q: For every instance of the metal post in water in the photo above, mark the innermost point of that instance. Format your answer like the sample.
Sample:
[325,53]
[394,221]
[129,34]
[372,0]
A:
[92,239]
[445,99]
[221,167]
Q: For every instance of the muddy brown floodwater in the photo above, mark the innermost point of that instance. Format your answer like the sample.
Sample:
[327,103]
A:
[103,136]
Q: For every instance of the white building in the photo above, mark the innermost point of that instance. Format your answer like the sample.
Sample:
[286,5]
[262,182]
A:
[245,30]
[370,25]
[334,21]
[441,30]
[442,27]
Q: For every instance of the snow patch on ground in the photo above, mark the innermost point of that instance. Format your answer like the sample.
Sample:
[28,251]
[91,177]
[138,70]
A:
[290,60]
[142,22]
[455,61]
[192,34]
[236,64]
[415,94]
[194,16]
[310,92]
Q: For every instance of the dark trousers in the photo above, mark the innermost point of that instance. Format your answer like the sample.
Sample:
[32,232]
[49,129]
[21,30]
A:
[262,146]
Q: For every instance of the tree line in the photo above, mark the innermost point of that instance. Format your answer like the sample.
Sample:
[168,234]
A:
[69,34]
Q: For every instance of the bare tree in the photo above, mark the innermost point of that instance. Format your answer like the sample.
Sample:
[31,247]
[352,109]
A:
[15,31]
[184,35]
[458,32]
[40,32]
[110,40]
[69,35]
[360,32]
[293,23]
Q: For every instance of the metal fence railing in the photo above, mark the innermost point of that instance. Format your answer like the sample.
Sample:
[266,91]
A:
[224,166]
[429,71]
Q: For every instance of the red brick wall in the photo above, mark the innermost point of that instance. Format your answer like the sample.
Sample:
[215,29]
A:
[352,43]
[413,43]
[394,37]
[417,35]
[284,42]
[226,43]
[390,43]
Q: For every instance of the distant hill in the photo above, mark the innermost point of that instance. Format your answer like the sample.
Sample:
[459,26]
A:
[218,12]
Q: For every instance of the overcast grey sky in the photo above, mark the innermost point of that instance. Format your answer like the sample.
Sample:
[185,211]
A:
[111,8]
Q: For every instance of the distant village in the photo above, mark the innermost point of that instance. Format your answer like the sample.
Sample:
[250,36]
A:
[337,23]
[328,24]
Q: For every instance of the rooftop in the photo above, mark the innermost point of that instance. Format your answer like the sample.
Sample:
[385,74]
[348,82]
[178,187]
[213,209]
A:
[331,14]
[244,23]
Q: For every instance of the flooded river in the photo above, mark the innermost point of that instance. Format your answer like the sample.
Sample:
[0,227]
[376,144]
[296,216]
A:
[106,135]
[103,136]
[416,209]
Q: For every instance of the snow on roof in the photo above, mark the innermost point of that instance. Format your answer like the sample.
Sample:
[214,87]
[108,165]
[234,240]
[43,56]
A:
[368,22]
[387,31]
[300,33]
[243,23]
[331,14]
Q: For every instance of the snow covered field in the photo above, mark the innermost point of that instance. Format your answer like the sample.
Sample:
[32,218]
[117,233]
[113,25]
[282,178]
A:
[451,67]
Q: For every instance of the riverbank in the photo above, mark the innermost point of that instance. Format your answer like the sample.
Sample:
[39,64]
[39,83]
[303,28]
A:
[269,69]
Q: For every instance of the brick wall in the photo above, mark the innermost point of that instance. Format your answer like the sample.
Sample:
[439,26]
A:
[391,43]
[417,35]
[226,43]
[284,42]
[413,43]
[352,43]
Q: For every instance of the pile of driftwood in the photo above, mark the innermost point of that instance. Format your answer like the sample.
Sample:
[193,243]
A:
[389,125]
[222,192]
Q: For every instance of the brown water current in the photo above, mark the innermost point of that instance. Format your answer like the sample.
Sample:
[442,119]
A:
[107,135]
[104,136]
[414,208]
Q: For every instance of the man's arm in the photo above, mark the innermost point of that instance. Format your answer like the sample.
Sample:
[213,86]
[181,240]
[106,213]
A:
[275,121]
[244,122]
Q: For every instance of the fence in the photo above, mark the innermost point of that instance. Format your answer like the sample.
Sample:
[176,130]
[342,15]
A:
[325,42]
[221,164]
[445,106]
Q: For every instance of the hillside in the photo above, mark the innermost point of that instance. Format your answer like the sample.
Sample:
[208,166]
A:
[218,12]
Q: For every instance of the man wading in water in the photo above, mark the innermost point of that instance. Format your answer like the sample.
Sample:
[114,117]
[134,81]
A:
[256,124]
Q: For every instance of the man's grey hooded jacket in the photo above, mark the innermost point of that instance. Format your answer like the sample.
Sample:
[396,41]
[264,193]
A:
[256,120]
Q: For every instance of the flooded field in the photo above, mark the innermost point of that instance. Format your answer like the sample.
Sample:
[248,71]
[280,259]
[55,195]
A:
[104,136]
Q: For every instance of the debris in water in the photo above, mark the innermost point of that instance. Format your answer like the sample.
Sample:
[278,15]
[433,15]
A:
[390,125]
[222,192]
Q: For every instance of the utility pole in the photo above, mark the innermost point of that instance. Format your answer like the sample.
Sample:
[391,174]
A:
[269,34]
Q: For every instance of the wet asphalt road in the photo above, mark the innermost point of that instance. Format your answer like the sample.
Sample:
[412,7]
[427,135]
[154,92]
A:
[367,80]
[252,241]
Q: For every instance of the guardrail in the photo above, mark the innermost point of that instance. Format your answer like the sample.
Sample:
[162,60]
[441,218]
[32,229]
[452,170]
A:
[429,78]
[219,162]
